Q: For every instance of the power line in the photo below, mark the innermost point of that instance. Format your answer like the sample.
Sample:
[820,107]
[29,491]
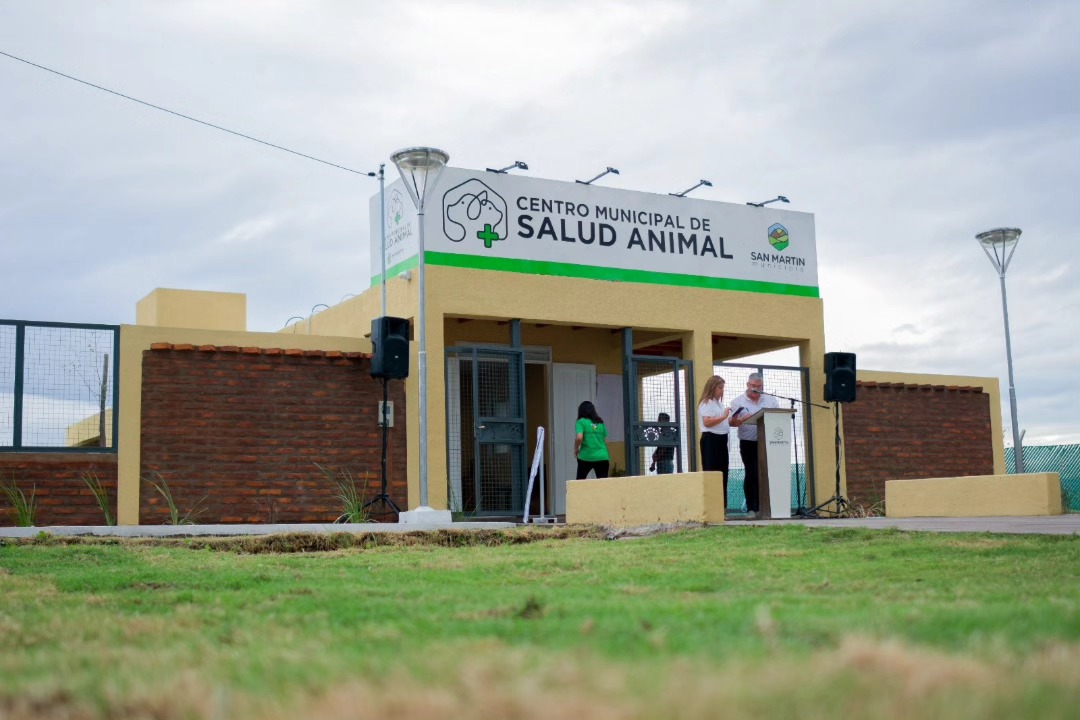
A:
[186,117]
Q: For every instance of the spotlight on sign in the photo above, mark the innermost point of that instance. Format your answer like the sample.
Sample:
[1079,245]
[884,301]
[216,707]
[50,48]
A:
[517,164]
[778,198]
[706,183]
[610,170]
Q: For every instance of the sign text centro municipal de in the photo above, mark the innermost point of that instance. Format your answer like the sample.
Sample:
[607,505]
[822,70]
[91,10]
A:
[511,223]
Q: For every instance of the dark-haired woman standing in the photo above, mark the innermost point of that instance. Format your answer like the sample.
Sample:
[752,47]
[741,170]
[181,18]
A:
[590,445]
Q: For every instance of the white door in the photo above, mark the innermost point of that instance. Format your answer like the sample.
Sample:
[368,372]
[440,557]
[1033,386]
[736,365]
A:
[571,385]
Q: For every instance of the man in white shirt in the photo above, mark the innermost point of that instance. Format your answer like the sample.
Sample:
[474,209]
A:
[742,408]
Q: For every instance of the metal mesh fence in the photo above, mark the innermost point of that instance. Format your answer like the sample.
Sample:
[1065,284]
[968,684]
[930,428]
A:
[1062,459]
[663,404]
[64,397]
[7,385]
[461,438]
[485,430]
[501,405]
[791,383]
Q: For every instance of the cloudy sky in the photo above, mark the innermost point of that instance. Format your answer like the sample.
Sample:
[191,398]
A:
[906,127]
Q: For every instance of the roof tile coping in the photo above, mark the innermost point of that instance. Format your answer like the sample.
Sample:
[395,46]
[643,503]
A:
[916,386]
[249,350]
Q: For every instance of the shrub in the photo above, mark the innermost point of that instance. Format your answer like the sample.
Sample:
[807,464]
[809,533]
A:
[24,508]
[175,518]
[352,498]
[100,494]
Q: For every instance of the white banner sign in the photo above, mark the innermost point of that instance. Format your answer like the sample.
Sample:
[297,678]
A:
[514,223]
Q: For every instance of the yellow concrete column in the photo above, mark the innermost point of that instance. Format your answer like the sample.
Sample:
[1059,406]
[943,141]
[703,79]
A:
[128,442]
[436,409]
[812,355]
[699,344]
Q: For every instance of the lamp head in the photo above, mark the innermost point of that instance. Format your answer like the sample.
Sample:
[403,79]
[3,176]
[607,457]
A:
[613,171]
[420,168]
[520,165]
[999,245]
[419,159]
[999,237]
[706,183]
[782,199]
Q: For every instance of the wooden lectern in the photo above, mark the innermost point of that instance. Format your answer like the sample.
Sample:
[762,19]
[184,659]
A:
[774,461]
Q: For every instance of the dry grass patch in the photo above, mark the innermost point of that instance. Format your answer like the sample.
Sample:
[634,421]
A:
[304,542]
[489,681]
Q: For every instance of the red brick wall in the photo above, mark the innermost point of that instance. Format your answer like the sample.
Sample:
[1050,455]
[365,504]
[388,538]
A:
[244,427]
[56,480]
[897,431]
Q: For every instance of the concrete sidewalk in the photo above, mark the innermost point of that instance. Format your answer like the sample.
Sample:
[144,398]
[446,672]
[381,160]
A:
[1027,525]
[1041,525]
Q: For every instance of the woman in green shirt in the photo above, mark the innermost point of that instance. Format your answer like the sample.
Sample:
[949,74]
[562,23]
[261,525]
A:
[590,446]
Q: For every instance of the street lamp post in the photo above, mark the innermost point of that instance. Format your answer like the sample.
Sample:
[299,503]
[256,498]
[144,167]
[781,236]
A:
[420,168]
[999,245]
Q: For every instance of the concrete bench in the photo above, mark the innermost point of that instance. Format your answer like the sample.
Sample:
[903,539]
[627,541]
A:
[975,496]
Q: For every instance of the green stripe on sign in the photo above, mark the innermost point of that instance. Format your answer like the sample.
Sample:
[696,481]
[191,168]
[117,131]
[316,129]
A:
[540,267]
[406,264]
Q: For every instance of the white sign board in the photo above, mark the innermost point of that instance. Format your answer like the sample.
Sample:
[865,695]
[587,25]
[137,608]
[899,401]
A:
[514,223]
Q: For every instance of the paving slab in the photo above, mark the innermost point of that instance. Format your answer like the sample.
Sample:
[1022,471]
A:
[1026,525]
[1043,525]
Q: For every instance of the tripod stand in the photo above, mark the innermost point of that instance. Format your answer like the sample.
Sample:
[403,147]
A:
[383,498]
[841,503]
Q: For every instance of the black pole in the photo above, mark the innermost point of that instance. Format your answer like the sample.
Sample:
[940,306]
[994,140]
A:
[385,431]
[800,511]
[384,498]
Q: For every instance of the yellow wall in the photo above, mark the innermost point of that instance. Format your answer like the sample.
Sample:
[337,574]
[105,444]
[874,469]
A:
[581,320]
[646,500]
[134,341]
[196,309]
[989,386]
[87,432]
[975,496]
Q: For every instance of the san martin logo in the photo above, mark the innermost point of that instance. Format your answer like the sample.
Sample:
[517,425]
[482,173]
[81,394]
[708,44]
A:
[779,239]
[778,236]
[473,210]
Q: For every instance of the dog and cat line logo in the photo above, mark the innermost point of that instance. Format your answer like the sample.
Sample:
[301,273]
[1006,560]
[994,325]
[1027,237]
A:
[474,210]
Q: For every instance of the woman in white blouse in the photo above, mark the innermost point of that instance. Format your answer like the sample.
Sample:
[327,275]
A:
[713,419]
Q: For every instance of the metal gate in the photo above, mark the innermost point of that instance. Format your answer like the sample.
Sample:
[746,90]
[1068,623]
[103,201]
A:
[486,443]
[656,387]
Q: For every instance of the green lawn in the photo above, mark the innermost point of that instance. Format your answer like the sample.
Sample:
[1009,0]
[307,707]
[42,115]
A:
[775,622]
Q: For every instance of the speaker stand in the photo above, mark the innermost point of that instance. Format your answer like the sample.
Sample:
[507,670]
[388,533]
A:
[383,498]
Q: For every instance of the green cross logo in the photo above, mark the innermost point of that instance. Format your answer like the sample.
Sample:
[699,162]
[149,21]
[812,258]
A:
[474,210]
[488,236]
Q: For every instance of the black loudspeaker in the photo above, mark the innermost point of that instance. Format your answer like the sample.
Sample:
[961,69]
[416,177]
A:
[840,377]
[390,348]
